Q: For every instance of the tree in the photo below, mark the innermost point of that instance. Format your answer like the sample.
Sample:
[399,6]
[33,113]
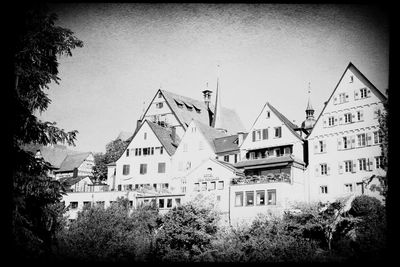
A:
[186,233]
[114,150]
[35,197]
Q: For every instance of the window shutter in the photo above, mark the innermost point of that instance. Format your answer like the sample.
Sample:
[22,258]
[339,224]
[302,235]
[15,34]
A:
[254,136]
[339,143]
[328,169]
[369,139]
[324,122]
[324,146]
[316,148]
[361,115]
[317,171]
[335,100]
[340,167]
[353,141]
[265,133]
[354,162]
[356,95]
[370,166]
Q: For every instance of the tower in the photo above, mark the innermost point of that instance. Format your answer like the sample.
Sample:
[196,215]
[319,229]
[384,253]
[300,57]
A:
[308,124]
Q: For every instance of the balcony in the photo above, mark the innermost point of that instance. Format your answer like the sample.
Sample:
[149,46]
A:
[282,177]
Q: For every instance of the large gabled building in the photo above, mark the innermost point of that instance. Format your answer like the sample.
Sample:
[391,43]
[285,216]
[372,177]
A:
[344,144]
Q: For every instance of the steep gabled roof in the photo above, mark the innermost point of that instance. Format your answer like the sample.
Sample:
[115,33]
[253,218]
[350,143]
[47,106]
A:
[360,76]
[55,154]
[164,135]
[70,181]
[230,120]
[209,133]
[73,161]
[226,143]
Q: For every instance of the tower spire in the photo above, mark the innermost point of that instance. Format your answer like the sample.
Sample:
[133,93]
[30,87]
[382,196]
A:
[217,122]
[309,109]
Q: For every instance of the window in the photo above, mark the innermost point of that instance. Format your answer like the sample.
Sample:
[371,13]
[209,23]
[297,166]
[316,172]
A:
[196,187]
[204,186]
[127,152]
[377,137]
[346,142]
[343,97]
[238,199]
[236,158]
[359,115]
[249,198]
[145,136]
[268,114]
[152,151]
[360,187]
[260,197]
[348,166]
[86,204]
[125,169]
[351,78]
[347,118]
[119,187]
[265,134]
[159,95]
[361,140]
[169,203]
[212,186]
[74,205]
[161,203]
[177,201]
[379,162]
[220,185]
[323,189]
[362,163]
[331,121]
[161,150]
[161,167]
[143,168]
[324,169]
[271,197]
[322,146]
[348,188]
[363,92]
[278,132]
[226,158]
[159,105]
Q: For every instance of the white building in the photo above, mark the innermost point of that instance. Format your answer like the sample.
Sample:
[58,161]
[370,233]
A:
[344,145]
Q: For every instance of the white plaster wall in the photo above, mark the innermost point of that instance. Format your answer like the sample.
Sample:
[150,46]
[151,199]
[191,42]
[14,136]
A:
[334,180]
[152,175]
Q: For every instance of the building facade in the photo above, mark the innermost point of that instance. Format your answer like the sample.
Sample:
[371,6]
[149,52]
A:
[344,145]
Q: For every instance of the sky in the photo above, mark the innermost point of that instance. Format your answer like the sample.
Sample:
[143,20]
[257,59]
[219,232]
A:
[266,53]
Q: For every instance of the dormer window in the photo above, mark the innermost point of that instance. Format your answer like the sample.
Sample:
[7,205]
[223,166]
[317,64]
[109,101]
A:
[179,103]
[189,107]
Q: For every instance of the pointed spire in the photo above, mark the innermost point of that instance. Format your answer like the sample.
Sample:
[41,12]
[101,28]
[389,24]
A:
[309,109]
[217,122]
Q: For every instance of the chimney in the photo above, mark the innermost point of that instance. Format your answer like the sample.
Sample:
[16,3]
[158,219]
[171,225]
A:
[138,123]
[173,134]
[240,138]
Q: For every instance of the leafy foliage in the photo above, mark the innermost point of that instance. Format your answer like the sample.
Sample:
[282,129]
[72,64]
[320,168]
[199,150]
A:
[111,234]
[114,150]
[35,197]
[186,234]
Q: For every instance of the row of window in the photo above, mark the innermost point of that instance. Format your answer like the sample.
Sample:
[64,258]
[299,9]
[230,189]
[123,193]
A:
[213,185]
[352,166]
[247,198]
[262,134]
[146,151]
[129,187]
[74,204]
[347,188]
[361,93]
[273,152]
[226,158]
[351,141]
[348,117]
[143,168]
